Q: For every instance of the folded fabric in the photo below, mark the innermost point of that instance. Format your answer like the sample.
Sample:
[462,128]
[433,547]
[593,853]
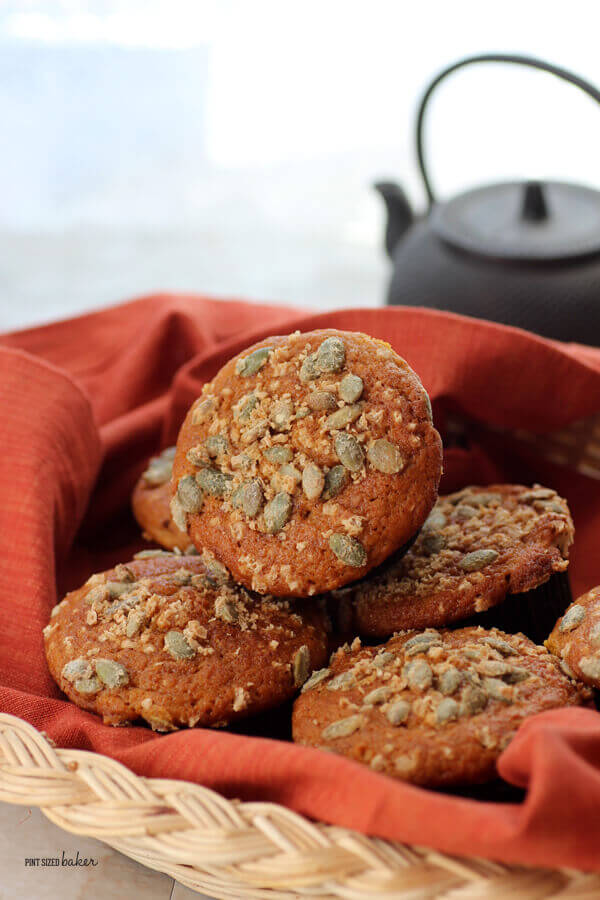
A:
[85,402]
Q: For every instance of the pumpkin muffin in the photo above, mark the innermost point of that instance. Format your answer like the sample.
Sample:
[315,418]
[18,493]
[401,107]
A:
[171,640]
[435,708]
[307,461]
[575,639]
[477,546]
[151,500]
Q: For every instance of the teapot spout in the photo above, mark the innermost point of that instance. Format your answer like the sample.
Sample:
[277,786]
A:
[399,213]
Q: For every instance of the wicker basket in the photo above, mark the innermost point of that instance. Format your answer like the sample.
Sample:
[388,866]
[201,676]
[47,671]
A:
[231,849]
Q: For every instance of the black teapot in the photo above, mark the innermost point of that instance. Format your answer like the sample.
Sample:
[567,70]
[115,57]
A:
[524,254]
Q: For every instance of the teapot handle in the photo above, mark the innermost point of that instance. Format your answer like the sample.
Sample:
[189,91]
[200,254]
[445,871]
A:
[530,61]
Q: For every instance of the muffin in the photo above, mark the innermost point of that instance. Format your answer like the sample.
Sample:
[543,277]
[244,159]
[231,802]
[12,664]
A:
[307,461]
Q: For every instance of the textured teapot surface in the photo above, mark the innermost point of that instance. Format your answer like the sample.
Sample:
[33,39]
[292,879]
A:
[559,300]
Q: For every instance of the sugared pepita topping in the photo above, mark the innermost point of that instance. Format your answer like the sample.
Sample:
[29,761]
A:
[116,640]
[477,545]
[447,688]
[291,431]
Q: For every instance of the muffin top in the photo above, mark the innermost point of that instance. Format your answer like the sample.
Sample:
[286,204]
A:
[306,461]
[171,640]
[431,707]
[151,500]
[575,639]
[477,546]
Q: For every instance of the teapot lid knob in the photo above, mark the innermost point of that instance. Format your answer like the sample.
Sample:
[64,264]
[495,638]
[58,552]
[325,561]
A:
[535,208]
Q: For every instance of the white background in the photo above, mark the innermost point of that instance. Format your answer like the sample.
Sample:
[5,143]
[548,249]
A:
[230,147]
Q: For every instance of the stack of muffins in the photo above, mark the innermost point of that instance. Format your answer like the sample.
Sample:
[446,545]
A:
[299,523]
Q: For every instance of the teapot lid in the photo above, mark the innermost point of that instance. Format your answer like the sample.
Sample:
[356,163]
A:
[536,221]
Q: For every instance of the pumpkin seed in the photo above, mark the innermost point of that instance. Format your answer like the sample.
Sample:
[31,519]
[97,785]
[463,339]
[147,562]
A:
[278,455]
[321,401]
[331,355]
[379,695]
[309,370]
[448,709]
[189,494]
[135,620]
[449,681]
[342,728]
[348,550]
[77,668]
[315,679]
[335,481]
[383,658]
[498,690]
[150,554]
[178,513]
[464,512]
[277,512]
[351,388]
[250,365]
[594,634]
[573,617]
[177,646]
[590,666]
[398,712]
[226,610]
[428,408]
[473,700]
[203,410]
[249,497]
[182,576]
[435,521]
[433,543]
[343,681]
[245,407]
[478,559]
[197,456]
[421,643]
[313,481]
[117,588]
[419,674]
[123,573]
[288,471]
[516,674]
[281,415]
[111,673]
[213,482]
[484,499]
[344,416]
[216,444]
[385,457]
[348,451]
[501,646]
[301,666]
[88,685]
[159,471]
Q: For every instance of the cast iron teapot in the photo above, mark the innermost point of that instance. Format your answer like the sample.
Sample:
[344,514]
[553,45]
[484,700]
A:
[525,254]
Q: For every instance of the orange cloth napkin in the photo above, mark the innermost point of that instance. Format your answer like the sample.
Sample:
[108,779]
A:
[83,403]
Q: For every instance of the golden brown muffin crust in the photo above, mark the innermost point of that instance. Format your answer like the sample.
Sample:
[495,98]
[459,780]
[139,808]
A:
[477,546]
[151,500]
[575,639]
[307,461]
[434,707]
[170,639]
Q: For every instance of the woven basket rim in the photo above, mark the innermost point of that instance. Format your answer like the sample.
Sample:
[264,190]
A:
[243,849]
